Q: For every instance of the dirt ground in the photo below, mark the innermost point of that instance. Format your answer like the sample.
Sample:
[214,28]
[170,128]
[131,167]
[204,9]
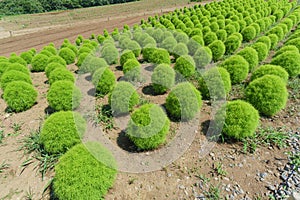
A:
[186,178]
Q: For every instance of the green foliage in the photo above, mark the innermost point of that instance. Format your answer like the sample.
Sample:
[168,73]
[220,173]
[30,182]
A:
[126,55]
[51,49]
[163,78]
[19,95]
[261,49]
[104,80]
[194,43]
[169,44]
[39,63]
[249,33]
[123,98]
[266,40]
[185,65]
[68,55]
[61,74]
[286,48]
[274,40]
[222,35]
[148,52]
[183,102]
[237,67]
[179,50]
[267,94]
[240,119]
[148,127]
[91,180]
[160,56]
[277,30]
[56,59]
[250,55]
[56,139]
[52,66]
[270,70]
[13,75]
[203,56]
[92,63]
[218,49]
[290,61]
[17,59]
[215,83]
[295,42]
[3,66]
[132,70]
[110,53]
[232,43]
[81,58]
[209,38]
[27,56]
[63,95]
[18,67]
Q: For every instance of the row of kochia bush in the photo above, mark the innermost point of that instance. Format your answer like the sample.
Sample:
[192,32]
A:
[184,101]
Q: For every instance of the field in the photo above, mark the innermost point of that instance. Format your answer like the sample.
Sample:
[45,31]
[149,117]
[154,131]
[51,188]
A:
[101,62]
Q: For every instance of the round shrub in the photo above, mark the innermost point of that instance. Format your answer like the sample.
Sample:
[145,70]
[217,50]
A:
[257,28]
[27,56]
[240,119]
[148,127]
[179,50]
[17,59]
[287,48]
[85,49]
[160,56]
[13,75]
[249,33]
[104,80]
[126,55]
[270,70]
[81,59]
[20,96]
[194,43]
[295,42]
[56,139]
[289,61]
[134,47]
[232,43]
[123,98]
[39,63]
[274,40]
[52,66]
[73,48]
[61,74]
[215,83]
[185,65]
[229,28]
[46,53]
[209,38]
[218,49]
[250,55]
[18,67]
[110,53]
[266,40]
[92,63]
[203,57]
[267,94]
[261,49]
[68,55]
[147,52]
[51,49]
[63,95]
[237,67]
[182,38]
[132,69]
[277,30]
[169,43]
[3,66]
[183,102]
[163,78]
[222,35]
[89,181]
[56,59]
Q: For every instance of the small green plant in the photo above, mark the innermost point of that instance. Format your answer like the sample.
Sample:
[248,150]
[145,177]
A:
[68,55]
[148,127]
[110,53]
[232,43]
[39,63]
[1,135]
[3,166]
[20,96]
[17,59]
[185,65]
[29,194]
[218,49]
[271,70]
[61,74]
[56,59]
[12,76]
[126,55]
[286,48]
[104,116]
[160,56]
[213,193]
[261,49]
[104,80]
[249,33]
[163,78]
[250,55]
[274,40]
[52,66]
[290,61]
[218,169]
[18,67]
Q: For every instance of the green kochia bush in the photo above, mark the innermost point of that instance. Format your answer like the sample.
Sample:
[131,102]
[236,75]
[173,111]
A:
[183,102]
[27,56]
[56,59]
[132,70]
[3,65]
[179,50]
[52,66]
[290,61]
[17,59]
[123,98]
[237,67]
[13,75]
[250,55]
[215,83]
[92,63]
[20,96]
[61,74]
[18,67]
[127,54]
[267,94]
[160,56]
[240,119]
[295,42]
[286,48]
[91,180]
[68,55]
[148,127]
[56,139]
[185,65]
[266,40]
[39,63]
[63,95]
[261,49]
[218,49]
[270,70]
[110,53]
[163,78]
[104,80]
[209,38]
[249,33]
[232,43]
[274,40]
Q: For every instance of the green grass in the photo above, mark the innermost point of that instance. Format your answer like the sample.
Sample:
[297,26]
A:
[269,136]
[32,145]
[295,160]
[213,193]
[218,169]
[3,166]
[1,135]
[104,116]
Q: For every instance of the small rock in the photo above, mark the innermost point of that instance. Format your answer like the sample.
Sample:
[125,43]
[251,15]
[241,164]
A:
[263,175]
[271,187]
[181,187]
